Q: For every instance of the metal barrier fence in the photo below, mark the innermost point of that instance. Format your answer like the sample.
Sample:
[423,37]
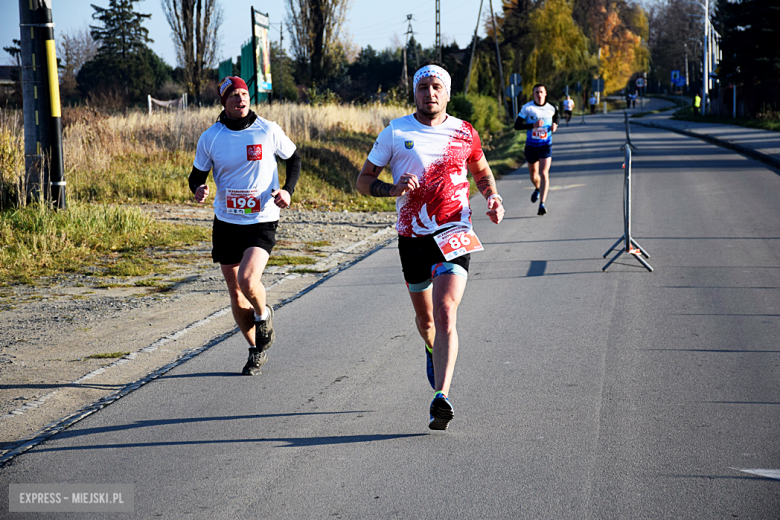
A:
[631,245]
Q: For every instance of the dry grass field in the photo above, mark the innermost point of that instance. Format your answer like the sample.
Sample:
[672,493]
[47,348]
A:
[136,157]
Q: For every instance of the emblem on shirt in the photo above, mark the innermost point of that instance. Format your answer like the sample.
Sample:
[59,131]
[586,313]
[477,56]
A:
[409,144]
[254,152]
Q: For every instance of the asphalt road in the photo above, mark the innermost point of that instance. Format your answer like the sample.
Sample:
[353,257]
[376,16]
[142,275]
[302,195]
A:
[578,394]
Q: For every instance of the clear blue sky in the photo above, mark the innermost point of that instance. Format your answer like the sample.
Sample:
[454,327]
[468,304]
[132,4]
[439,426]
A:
[369,22]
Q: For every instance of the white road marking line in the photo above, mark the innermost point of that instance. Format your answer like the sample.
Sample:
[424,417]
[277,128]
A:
[768,473]
[555,188]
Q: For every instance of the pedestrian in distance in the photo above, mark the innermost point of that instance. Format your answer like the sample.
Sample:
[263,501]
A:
[696,104]
[568,108]
[430,154]
[540,119]
[593,102]
[629,98]
[241,149]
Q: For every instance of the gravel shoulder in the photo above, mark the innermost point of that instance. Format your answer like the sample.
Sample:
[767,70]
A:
[52,335]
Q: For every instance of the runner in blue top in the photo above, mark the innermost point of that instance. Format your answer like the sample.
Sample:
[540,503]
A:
[540,120]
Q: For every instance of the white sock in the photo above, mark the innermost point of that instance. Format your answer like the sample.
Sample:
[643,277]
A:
[263,317]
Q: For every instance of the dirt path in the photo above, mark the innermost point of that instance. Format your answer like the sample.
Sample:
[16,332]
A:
[51,333]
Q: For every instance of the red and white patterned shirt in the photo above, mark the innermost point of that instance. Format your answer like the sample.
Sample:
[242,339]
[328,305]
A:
[439,156]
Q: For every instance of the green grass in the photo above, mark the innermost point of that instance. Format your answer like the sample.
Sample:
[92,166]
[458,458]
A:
[108,355]
[290,260]
[506,154]
[148,282]
[305,270]
[329,170]
[90,239]
[317,243]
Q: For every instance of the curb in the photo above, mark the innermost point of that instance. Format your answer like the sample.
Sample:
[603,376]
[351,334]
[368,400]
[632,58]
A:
[744,150]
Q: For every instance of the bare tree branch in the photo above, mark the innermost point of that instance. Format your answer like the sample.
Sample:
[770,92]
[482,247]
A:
[195,28]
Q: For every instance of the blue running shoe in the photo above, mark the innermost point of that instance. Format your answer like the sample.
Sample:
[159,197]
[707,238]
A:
[429,366]
[441,412]
[542,209]
[535,195]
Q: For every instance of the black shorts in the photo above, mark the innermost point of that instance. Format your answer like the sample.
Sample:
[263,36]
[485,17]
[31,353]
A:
[567,112]
[231,240]
[420,254]
[534,153]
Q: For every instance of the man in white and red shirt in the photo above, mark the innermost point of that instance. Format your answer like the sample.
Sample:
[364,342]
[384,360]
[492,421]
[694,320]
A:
[430,154]
[241,149]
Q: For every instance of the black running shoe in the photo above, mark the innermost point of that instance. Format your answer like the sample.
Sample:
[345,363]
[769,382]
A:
[535,195]
[441,412]
[429,366]
[264,331]
[542,209]
[257,358]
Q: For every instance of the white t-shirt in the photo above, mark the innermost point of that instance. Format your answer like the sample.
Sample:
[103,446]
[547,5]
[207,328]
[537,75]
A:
[568,104]
[245,170]
[439,156]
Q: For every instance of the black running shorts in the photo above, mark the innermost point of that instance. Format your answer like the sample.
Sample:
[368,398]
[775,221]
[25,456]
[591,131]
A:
[534,153]
[231,240]
[420,254]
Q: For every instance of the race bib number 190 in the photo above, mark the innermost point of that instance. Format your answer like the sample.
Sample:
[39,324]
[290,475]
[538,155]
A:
[242,202]
[457,241]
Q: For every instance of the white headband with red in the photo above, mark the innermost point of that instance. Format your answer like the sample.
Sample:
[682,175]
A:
[436,72]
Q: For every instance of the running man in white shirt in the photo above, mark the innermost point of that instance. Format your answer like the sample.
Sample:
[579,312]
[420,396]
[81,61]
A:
[540,119]
[241,149]
[430,154]
[568,107]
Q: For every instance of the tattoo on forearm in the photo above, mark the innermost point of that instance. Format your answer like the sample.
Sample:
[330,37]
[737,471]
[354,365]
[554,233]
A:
[486,186]
[380,189]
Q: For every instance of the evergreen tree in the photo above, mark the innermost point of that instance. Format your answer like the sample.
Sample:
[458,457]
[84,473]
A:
[123,66]
[122,34]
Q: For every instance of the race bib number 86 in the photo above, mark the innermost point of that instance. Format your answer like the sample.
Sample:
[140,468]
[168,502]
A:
[457,241]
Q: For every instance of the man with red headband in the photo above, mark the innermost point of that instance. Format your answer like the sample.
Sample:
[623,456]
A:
[430,154]
[241,149]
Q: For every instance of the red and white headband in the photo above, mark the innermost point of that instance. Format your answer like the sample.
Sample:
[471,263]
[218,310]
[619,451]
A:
[436,72]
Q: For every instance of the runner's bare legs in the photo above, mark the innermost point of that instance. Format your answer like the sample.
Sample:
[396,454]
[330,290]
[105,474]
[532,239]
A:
[439,307]
[541,180]
[247,294]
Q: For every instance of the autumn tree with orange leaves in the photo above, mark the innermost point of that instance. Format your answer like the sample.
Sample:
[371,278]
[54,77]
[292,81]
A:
[622,50]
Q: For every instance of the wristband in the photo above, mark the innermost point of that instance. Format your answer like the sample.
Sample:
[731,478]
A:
[496,195]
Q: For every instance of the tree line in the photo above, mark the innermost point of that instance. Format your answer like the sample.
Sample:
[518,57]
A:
[557,42]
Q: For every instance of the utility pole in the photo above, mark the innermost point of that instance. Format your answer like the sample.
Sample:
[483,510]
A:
[281,60]
[473,48]
[438,29]
[498,59]
[410,31]
[43,158]
[706,83]
[405,74]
